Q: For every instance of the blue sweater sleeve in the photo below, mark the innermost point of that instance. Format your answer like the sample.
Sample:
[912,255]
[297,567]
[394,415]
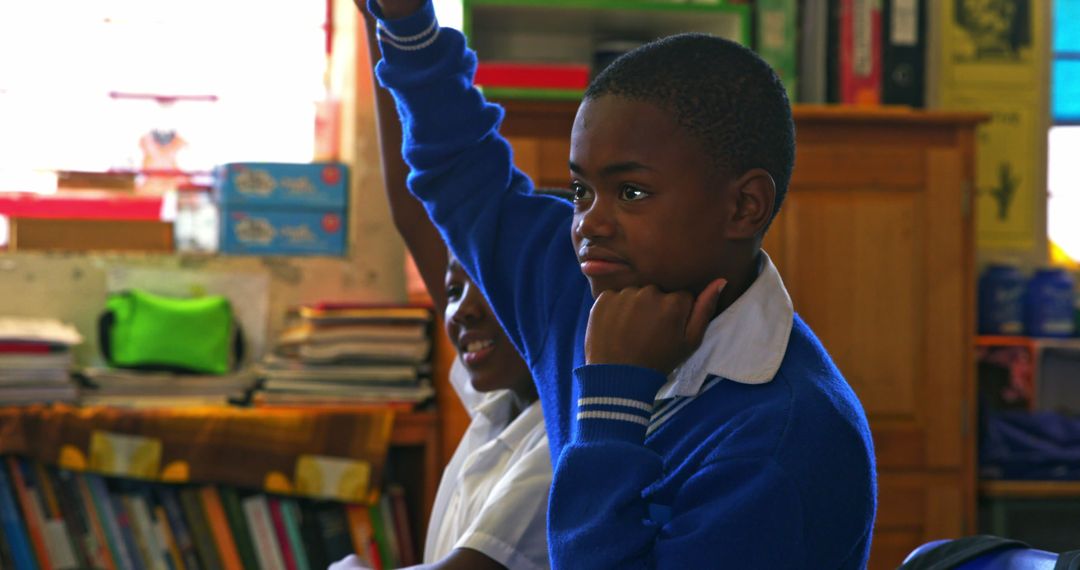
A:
[515,245]
[743,512]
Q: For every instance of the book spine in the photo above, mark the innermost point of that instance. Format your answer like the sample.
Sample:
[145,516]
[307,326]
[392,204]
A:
[402,525]
[333,528]
[168,538]
[100,495]
[175,515]
[200,528]
[378,527]
[7,560]
[813,68]
[904,53]
[35,525]
[290,515]
[860,52]
[363,537]
[11,523]
[127,530]
[234,512]
[777,39]
[215,514]
[309,528]
[262,532]
[145,534]
[281,534]
[73,519]
[103,552]
[390,526]
[57,531]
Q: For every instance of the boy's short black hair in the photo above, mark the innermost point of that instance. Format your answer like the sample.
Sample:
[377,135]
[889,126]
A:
[722,93]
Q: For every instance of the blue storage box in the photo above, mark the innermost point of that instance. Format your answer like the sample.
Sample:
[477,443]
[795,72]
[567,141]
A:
[249,185]
[283,232]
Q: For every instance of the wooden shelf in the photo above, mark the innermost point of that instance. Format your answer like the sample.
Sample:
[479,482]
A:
[1030,489]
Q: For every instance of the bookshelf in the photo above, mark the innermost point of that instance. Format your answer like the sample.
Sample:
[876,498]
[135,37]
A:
[570,32]
[305,463]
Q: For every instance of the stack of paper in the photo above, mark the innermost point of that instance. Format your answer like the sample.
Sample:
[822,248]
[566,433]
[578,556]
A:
[35,360]
[343,353]
[137,389]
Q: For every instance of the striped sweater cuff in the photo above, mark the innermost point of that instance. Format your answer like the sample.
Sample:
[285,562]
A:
[615,401]
[411,33]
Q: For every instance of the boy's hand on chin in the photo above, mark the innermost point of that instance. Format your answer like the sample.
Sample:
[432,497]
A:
[394,9]
[643,326]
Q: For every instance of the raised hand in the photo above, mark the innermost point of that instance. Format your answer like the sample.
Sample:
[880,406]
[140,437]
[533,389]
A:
[643,326]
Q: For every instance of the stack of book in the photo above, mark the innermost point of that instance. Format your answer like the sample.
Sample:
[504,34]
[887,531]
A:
[335,353]
[53,518]
[35,360]
[138,389]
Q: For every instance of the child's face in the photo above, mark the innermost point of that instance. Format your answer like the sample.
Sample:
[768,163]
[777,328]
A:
[482,346]
[649,207]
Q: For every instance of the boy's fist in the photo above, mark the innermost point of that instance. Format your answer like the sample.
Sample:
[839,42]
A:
[394,9]
[643,326]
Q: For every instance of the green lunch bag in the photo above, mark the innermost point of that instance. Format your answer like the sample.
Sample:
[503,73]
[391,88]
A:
[149,332]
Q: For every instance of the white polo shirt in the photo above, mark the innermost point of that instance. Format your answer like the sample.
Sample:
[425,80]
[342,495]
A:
[494,492]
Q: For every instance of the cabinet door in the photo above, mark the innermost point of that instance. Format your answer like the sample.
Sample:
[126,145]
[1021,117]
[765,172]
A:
[913,509]
[872,247]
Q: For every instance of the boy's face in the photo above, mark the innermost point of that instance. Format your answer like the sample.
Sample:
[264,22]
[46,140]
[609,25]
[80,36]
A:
[649,207]
[484,349]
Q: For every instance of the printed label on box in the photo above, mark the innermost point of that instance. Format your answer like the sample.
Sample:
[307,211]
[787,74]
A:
[278,232]
[283,185]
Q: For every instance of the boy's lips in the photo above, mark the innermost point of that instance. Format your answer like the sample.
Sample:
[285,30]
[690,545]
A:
[597,263]
[475,347]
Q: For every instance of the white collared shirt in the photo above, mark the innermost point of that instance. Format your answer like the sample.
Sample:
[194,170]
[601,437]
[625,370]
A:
[494,492]
[746,343]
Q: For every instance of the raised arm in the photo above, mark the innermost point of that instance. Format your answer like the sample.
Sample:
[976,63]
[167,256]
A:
[410,217]
[514,245]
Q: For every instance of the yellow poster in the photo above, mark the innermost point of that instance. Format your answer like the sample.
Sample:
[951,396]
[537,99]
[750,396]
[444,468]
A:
[993,59]
[992,42]
[1008,171]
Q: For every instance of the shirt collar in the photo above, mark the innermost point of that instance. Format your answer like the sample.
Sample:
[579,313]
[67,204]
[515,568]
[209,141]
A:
[745,343]
[496,407]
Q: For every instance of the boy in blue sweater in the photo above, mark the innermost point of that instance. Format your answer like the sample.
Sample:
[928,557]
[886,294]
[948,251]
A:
[694,420]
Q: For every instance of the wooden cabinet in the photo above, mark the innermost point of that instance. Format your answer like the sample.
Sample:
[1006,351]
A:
[875,244]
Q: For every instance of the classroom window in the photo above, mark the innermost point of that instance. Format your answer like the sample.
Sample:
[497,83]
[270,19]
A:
[128,85]
[1064,146]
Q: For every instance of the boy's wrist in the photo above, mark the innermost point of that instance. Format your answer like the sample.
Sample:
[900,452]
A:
[397,9]
[615,402]
[403,18]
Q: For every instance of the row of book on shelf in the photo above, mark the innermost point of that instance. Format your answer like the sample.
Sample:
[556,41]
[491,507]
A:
[328,353]
[826,51]
[52,518]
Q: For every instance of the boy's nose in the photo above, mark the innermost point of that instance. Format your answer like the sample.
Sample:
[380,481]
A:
[596,222]
[470,309]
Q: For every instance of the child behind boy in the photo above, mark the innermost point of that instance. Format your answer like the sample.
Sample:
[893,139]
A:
[696,421]
[490,509]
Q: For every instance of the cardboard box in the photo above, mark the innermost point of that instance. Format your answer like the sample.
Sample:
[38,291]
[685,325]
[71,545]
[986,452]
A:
[90,235]
[258,185]
[283,232]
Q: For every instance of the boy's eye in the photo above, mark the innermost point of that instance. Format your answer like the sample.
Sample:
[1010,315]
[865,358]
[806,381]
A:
[631,193]
[453,291]
[581,192]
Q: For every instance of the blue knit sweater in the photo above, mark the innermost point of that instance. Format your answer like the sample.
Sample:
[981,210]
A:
[776,475]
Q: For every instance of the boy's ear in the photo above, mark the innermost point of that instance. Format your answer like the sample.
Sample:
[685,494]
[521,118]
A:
[755,194]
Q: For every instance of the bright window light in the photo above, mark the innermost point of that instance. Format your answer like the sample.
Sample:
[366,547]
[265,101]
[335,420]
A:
[1064,186]
[74,77]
